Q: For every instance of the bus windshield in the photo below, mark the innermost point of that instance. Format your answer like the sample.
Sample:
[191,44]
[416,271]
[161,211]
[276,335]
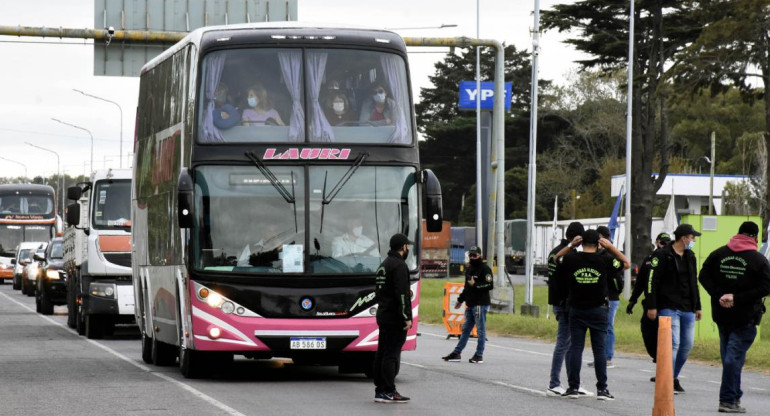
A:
[27,204]
[245,225]
[274,95]
[113,204]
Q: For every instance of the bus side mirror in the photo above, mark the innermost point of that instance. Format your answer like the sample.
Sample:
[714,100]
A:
[74,193]
[434,211]
[185,199]
[73,212]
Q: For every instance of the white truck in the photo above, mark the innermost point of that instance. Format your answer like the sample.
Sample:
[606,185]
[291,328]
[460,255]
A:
[97,253]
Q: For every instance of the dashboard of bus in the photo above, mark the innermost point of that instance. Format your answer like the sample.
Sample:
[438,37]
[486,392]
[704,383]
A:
[302,219]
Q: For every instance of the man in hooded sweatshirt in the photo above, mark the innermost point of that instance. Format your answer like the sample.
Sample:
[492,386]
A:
[737,277]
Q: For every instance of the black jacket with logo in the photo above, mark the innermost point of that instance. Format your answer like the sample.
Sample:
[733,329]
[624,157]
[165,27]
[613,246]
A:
[554,297]
[585,278]
[641,281]
[478,294]
[392,292]
[745,274]
[664,286]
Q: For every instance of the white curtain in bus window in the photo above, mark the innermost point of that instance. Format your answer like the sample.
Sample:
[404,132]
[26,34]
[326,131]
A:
[291,66]
[393,71]
[215,63]
[320,129]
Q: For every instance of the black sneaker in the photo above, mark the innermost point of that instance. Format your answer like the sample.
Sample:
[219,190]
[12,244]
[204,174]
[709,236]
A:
[393,397]
[677,387]
[731,408]
[452,357]
[604,395]
[571,393]
[652,379]
[476,359]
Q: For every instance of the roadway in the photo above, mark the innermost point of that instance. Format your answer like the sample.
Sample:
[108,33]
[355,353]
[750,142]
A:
[46,369]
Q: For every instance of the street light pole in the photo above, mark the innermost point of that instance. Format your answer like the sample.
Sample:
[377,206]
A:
[121,119]
[87,131]
[26,179]
[58,172]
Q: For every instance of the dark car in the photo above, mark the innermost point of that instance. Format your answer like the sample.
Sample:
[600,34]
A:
[52,281]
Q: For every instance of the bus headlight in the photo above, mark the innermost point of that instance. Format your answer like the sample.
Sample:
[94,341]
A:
[52,274]
[104,290]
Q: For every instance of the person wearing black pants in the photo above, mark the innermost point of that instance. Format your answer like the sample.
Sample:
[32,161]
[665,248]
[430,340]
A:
[394,318]
[585,277]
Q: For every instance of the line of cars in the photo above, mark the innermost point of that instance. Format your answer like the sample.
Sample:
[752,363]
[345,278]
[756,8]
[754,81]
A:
[38,271]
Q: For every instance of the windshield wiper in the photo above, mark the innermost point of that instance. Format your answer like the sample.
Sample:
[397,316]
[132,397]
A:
[340,184]
[288,197]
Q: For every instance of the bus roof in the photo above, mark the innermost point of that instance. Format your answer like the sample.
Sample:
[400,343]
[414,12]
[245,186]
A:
[280,28]
[25,187]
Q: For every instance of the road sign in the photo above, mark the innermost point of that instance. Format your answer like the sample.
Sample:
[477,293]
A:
[468,95]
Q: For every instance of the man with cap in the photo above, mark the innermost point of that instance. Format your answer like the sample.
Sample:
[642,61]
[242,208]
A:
[615,289]
[649,326]
[737,277]
[672,290]
[584,276]
[561,312]
[478,283]
[394,318]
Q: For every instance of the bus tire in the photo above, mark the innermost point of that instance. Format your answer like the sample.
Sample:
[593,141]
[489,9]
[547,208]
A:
[94,327]
[163,355]
[191,363]
[146,348]
[46,307]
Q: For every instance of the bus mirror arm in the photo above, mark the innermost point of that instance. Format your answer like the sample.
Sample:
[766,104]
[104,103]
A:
[185,199]
[434,211]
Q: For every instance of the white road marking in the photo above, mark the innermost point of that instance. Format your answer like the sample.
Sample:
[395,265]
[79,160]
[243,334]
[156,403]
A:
[414,365]
[489,344]
[197,393]
[713,382]
[520,388]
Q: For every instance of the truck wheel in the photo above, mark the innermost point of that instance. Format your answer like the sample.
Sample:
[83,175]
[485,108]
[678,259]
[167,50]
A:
[46,307]
[71,306]
[146,349]
[94,327]
[163,355]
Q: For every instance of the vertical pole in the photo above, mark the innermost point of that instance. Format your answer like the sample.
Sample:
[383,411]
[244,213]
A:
[479,187]
[530,257]
[711,175]
[629,98]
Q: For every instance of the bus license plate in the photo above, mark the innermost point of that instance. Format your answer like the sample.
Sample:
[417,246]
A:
[318,343]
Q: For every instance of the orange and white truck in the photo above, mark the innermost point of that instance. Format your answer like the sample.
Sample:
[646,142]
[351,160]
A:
[97,253]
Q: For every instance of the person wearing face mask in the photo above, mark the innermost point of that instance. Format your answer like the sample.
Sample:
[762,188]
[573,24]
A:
[337,109]
[354,242]
[225,115]
[378,108]
[260,111]
[475,295]
[394,318]
[672,290]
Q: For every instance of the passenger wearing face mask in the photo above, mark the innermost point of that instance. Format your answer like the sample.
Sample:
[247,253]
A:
[337,109]
[478,282]
[260,111]
[225,115]
[672,290]
[378,107]
[354,242]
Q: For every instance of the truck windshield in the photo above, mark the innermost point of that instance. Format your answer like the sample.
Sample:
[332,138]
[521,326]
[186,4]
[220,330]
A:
[112,204]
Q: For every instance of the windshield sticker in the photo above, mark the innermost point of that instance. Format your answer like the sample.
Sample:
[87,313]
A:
[305,154]
[292,258]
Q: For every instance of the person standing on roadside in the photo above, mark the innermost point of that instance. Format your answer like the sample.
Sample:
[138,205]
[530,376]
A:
[649,327]
[561,312]
[394,318]
[672,290]
[478,283]
[737,277]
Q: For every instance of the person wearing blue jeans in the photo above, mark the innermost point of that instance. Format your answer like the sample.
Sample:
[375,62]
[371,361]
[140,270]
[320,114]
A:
[672,290]
[475,295]
[737,277]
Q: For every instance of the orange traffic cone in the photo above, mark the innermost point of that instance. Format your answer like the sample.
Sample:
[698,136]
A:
[664,371]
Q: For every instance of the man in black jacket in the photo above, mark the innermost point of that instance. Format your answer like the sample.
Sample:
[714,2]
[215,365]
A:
[737,277]
[649,327]
[478,282]
[560,311]
[394,318]
[672,290]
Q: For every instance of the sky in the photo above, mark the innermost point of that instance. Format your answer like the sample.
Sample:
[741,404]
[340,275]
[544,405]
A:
[38,75]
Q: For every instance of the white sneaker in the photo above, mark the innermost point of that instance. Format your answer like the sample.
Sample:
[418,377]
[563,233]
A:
[610,364]
[555,391]
[584,393]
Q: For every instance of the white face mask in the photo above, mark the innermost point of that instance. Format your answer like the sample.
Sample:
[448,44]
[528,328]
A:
[338,107]
[690,245]
[357,231]
[253,101]
[379,97]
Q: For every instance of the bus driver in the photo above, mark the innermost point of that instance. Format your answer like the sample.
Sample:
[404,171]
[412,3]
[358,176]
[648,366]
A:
[354,242]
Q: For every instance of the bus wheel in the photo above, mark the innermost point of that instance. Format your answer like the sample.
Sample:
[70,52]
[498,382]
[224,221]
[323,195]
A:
[146,349]
[94,327]
[191,364]
[163,355]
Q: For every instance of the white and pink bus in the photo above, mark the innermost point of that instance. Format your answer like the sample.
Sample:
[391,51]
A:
[273,162]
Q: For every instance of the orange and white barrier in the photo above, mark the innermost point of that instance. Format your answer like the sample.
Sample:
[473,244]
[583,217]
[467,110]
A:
[454,317]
